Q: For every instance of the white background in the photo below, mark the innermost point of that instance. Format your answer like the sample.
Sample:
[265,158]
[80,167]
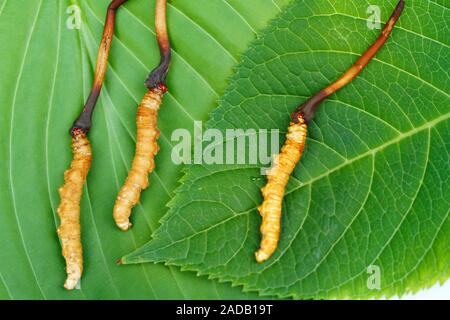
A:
[436,292]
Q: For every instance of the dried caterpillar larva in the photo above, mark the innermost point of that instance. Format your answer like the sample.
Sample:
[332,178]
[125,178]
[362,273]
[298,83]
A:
[75,176]
[147,130]
[273,192]
[69,230]
[292,150]
[143,163]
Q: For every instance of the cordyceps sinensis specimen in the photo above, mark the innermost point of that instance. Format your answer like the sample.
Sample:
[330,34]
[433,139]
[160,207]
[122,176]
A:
[69,230]
[291,152]
[147,130]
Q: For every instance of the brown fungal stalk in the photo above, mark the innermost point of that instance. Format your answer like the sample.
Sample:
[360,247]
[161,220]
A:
[147,131]
[69,230]
[292,150]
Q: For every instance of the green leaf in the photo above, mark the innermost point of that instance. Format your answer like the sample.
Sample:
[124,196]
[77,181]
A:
[46,74]
[372,189]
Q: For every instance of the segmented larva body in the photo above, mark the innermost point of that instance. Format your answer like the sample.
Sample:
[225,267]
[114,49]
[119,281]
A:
[143,162]
[69,230]
[291,152]
[273,192]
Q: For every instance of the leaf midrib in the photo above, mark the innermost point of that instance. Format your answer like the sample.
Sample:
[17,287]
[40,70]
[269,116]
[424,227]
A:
[372,152]
[388,240]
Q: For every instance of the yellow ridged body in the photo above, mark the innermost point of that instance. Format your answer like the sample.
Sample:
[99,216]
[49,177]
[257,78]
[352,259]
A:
[69,230]
[273,192]
[143,163]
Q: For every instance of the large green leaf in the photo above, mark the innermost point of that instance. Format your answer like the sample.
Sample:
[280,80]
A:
[372,189]
[45,75]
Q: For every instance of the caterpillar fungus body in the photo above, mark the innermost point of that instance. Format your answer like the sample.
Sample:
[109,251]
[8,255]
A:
[147,131]
[143,162]
[69,230]
[291,152]
[273,192]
